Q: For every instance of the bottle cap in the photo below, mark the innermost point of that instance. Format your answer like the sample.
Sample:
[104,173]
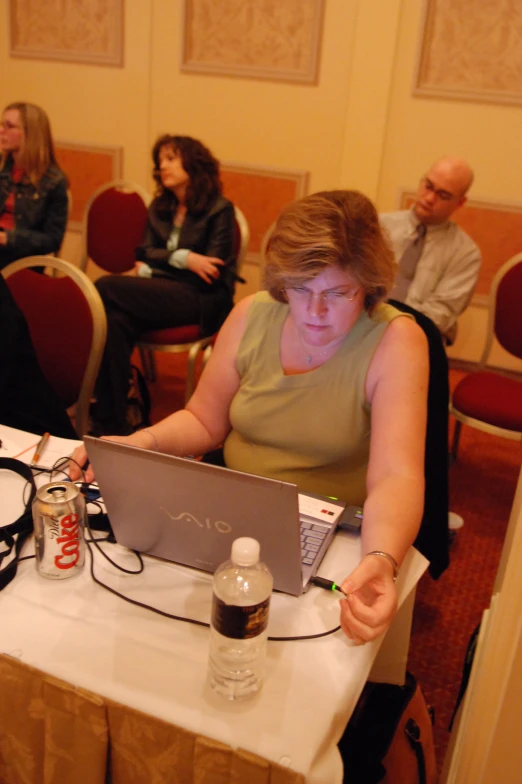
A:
[245,551]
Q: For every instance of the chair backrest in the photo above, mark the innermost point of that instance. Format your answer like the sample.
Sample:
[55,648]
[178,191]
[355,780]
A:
[243,238]
[114,223]
[68,326]
[505,311]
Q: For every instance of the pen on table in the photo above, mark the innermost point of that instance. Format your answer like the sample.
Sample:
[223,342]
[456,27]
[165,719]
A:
[40,448]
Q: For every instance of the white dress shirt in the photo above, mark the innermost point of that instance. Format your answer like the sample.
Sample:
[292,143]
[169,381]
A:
[447,272]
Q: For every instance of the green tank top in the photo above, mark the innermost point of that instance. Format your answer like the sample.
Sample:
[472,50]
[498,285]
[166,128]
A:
[312,429]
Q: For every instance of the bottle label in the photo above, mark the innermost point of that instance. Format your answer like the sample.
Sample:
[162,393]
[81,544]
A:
[240,623]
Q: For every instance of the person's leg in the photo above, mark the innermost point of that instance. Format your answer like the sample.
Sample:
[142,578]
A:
[134,305]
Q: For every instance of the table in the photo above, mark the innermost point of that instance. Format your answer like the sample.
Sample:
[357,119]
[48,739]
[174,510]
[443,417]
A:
[74,630]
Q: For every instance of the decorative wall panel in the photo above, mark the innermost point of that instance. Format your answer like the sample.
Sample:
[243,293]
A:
[84,31]
[265,39]
[472,50]
[495,227]
[87,167]
[261,194]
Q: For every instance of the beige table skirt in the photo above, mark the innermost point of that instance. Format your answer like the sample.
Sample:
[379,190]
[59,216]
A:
[54,733]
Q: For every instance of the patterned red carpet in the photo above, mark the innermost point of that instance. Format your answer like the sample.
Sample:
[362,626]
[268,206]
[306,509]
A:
[482,487]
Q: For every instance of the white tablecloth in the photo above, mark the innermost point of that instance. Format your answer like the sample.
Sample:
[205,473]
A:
[77,631]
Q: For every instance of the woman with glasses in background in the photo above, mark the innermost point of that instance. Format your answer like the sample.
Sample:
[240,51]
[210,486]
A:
[33,188]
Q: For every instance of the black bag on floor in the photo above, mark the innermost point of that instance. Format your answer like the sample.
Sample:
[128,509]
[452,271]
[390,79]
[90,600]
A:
[138,401]
[389,738]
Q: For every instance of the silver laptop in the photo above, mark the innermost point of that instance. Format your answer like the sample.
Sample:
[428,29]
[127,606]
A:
[190,512]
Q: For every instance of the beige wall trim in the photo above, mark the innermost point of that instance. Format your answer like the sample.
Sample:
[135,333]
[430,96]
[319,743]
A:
[71,31]
[256,39]
[87,166]
[300,177]
[469,57]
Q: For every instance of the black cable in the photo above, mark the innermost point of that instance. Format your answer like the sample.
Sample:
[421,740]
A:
[184,619]
[319,581]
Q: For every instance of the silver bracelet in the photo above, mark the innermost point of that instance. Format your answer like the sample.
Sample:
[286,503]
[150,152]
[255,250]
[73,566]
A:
[391,559]
[155,447]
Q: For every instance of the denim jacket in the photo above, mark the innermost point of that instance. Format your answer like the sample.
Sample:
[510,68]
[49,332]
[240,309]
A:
[40,214]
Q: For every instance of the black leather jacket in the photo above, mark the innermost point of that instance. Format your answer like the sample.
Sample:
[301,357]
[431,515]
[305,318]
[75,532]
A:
[212,234]
[40,214]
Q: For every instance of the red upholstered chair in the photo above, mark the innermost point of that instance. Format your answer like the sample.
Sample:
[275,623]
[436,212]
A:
[67,322]
[488,400]
[114,223]
[188,339]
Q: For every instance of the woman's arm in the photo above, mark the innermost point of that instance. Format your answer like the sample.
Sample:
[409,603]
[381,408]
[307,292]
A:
[204,423]
[396,388]
[218,248]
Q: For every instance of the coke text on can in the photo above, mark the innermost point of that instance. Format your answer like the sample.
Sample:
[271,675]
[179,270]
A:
[59,518]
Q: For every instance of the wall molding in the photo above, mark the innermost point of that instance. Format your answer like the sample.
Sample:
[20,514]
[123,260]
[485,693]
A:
[254,39]
[75,32]
[462,40]
[87,166]
[261,192]
[298,176]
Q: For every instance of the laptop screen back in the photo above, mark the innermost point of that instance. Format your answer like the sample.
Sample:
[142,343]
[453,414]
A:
[190,512]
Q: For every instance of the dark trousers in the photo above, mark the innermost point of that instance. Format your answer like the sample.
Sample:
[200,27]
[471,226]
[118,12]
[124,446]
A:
[433,538]
[133,306]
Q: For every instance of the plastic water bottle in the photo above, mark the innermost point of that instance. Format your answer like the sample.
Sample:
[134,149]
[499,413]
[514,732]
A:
[241,597]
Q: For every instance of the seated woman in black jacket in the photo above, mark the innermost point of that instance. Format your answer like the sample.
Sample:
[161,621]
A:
[33,189]
[185,272]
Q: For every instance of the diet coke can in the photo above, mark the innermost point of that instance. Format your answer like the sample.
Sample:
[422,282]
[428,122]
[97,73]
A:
[59,519]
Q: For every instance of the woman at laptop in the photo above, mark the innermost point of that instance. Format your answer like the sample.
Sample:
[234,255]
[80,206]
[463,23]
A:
[318,382]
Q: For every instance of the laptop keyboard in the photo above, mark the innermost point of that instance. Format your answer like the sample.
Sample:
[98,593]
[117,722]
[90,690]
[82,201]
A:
[312,538]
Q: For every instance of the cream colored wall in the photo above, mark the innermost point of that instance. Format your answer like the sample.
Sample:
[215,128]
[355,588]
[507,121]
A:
[257,122]
[91,104]
[358,127]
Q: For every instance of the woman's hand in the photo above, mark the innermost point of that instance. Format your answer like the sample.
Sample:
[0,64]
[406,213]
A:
[371,600]
[141,438]
[3,237]
[207,267]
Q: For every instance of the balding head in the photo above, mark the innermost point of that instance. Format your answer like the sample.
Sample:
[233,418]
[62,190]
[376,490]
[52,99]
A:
[442,189]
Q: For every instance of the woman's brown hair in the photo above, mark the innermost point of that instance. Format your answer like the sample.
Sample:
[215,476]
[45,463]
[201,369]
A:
[202,168]
[37,148]
[330,228]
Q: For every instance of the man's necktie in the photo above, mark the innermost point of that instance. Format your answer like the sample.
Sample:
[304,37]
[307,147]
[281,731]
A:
[408,263]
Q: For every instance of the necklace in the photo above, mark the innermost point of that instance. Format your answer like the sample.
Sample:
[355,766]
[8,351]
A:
[310,357]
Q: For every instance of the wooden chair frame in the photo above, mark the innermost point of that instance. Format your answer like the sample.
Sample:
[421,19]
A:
[463,419]
[99,331]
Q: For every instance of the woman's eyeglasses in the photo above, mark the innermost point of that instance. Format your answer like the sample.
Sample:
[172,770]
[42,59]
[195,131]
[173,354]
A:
[328,297]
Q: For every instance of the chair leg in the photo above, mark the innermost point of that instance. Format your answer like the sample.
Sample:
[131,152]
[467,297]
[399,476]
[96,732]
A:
[148,363]
[456,439]
[206,356]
